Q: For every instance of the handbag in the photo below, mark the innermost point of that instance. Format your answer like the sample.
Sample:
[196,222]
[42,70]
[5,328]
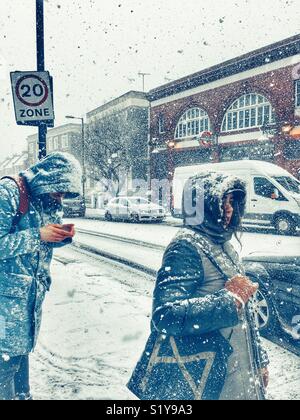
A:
[181,367]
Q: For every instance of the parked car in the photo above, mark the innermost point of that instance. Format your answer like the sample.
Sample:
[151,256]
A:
[135,209]
[277,302]
[273,198]
[74,207]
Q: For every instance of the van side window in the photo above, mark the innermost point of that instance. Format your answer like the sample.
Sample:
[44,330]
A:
[265,188]
[123,202]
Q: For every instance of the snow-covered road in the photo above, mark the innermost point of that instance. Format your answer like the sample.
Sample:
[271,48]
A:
[162,234]
[96,321]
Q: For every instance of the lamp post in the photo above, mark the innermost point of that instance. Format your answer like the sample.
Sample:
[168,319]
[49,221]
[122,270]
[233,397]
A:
[71,117]
[171,144]
[143,75]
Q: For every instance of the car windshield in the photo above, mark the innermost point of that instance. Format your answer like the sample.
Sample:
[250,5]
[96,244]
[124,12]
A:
[288,183]
[138,201]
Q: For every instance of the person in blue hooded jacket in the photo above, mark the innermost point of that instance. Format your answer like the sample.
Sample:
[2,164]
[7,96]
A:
[25,255]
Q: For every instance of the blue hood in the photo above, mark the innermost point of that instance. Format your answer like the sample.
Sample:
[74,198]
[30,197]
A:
[58,172]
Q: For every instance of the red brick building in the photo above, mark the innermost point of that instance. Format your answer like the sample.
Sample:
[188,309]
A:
[250,104]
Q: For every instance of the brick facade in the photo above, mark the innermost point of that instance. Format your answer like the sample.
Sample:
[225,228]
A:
[277,85]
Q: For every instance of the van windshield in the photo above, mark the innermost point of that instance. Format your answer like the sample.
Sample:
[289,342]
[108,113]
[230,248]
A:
[288,183]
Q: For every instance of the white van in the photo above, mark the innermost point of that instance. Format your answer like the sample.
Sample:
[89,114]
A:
[273,197]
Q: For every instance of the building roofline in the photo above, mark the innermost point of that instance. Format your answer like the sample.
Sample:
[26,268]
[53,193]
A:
[256,58]
[115,101]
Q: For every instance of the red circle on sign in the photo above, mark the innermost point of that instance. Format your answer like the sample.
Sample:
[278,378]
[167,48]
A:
[206,135]
[32,76]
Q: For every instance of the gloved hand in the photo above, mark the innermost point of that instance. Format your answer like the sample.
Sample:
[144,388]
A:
[265,376]
[242,287]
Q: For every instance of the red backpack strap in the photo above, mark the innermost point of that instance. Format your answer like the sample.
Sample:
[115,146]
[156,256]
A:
[24,195]
[24,198]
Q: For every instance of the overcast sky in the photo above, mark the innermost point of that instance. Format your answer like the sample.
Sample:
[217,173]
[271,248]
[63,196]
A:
[95,48]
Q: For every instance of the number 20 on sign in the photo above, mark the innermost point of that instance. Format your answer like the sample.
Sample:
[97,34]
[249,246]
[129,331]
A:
[33,101]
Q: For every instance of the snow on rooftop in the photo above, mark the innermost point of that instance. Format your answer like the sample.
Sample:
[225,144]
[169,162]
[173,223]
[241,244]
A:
[238,165]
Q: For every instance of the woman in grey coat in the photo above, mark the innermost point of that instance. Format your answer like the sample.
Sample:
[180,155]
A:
[203,343]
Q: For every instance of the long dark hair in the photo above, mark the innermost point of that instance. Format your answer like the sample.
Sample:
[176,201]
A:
[239,203]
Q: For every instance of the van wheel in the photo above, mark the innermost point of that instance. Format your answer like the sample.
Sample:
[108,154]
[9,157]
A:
[285,225]
[108,216]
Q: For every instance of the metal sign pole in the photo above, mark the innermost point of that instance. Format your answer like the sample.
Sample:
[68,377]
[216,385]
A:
[40,47]
[83,158]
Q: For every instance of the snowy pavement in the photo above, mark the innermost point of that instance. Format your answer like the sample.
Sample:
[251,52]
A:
[96,322]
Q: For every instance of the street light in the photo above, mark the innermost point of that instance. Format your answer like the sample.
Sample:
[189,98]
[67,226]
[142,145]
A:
[286,128]
[71,117]
[141,74]
[171,144]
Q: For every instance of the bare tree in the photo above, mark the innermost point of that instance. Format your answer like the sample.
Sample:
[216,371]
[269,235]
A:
[107,153]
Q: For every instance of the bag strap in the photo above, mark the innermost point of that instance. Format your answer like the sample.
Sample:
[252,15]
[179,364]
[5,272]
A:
[203,245]
[23,201]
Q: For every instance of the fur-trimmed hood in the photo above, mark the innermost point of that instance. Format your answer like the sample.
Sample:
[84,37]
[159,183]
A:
[207,191]
[57,173]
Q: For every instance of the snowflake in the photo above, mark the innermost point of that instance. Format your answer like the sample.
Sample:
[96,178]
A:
[5,357]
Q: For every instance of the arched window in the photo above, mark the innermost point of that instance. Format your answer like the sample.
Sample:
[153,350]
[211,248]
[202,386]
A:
[192,123]
[251,110]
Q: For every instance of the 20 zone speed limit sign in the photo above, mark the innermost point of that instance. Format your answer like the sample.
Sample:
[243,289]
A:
[33,100]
